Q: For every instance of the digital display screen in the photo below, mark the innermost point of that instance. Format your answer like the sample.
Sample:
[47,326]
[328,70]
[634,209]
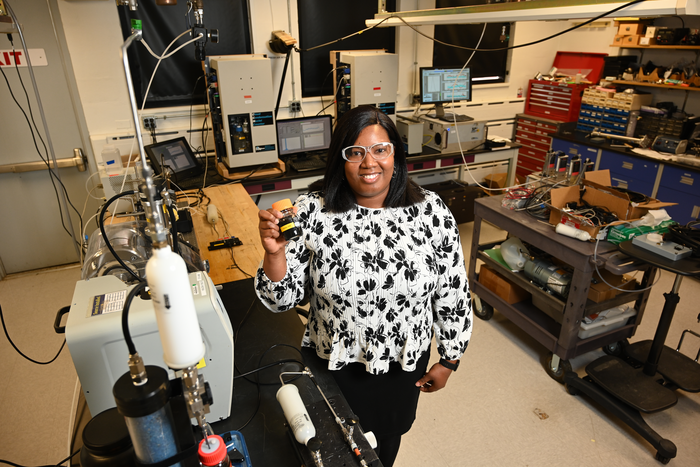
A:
[304,135]
[175,154]
[442,85]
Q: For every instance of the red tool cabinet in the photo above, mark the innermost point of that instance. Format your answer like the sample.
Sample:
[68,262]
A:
[561,101]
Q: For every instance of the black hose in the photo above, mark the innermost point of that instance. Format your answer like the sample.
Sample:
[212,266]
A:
[284,73]
[104,234]
[125,315]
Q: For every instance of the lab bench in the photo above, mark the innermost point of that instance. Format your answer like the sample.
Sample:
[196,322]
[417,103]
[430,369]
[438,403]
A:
[552,321]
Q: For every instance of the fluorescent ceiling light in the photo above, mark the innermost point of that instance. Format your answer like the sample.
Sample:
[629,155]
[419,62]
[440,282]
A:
[538,10]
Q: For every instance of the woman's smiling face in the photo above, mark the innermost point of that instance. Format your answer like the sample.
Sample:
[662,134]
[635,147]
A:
[369,180]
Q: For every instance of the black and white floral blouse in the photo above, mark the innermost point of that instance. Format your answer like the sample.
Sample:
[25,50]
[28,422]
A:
[382,281]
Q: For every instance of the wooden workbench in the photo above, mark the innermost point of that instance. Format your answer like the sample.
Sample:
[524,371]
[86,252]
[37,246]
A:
[241,214]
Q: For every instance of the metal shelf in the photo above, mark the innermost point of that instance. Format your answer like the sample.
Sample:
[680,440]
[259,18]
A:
[659,86]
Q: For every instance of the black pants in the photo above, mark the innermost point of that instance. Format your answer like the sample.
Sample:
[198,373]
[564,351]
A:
[385,404]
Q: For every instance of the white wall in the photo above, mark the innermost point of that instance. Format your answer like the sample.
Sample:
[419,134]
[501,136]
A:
[94,40]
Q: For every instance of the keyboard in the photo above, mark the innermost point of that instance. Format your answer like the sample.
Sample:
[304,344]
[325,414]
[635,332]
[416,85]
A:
[308,164]
[455,117]
[198,180]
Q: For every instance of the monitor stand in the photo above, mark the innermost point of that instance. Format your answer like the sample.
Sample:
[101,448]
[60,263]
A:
[448,117]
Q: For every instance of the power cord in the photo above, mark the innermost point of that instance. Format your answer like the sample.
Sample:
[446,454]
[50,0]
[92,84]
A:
[4,328]
[3,461]
[687,235]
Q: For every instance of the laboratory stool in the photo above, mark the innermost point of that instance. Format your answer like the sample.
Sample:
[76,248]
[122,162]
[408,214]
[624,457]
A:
[649,386]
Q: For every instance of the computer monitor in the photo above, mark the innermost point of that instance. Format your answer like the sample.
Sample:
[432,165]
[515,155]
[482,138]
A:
[304,135]
[177,155]
[439,85]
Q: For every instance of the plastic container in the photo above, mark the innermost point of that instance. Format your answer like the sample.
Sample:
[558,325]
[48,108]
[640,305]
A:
[288,224]
[213,454]
[615,318]
[295,413]
[106,442]
[112,159]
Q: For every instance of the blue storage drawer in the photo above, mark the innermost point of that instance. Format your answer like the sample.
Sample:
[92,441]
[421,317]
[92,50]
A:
[627,182]
[687,209]
[586,152]
[680,179]
[629,166]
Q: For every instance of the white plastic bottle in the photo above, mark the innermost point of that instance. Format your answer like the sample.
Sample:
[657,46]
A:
[171,293]
[573,232]
[295,413]
[112,159]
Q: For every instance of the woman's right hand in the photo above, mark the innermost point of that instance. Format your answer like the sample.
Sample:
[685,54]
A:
[270,236]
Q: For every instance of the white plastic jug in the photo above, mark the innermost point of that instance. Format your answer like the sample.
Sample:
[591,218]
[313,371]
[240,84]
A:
[112,159]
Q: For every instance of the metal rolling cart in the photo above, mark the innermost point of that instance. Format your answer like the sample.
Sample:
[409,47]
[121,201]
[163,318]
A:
[551,321]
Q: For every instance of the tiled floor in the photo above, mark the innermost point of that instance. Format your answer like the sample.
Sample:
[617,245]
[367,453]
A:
[499,409]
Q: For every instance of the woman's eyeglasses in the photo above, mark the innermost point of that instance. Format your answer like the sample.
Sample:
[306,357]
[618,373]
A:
[379,151]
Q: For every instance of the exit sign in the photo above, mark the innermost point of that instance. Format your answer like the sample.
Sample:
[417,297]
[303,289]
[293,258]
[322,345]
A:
[8,58]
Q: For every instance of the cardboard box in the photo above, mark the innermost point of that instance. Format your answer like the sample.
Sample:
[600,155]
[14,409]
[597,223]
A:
[601,180]
[499,180]
[501,286]
[600,291]
[629,29]
[597,192]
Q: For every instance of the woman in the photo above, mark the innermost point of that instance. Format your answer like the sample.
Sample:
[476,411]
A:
[382,262]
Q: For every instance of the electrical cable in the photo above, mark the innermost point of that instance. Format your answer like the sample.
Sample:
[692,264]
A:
[3,461]
[335,94]
[138,288]
[89,192]
[101,223]
[4,328]
[580,25]
[257,383]
[173,229]
[343,38]
[687,235]
[595,264]
[454,115]
[343,67]
[65,199]
[52,175]
[269,365]
[148,88]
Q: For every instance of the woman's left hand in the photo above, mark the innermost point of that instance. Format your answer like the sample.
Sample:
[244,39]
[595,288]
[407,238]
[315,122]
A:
[435,379]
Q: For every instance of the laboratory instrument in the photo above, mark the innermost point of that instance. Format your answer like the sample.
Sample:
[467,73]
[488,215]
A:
[366,77]
[242,103]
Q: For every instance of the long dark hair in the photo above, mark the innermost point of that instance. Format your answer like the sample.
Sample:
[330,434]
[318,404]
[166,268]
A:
[336,191]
